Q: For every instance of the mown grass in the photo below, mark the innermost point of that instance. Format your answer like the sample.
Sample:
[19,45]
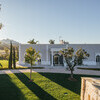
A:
[45,86]
[4,64]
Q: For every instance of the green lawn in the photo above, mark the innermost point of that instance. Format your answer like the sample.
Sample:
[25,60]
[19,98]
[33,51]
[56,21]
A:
[46,86]
[5,65]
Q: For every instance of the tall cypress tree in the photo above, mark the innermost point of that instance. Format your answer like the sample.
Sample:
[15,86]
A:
[14,58]
[10,57]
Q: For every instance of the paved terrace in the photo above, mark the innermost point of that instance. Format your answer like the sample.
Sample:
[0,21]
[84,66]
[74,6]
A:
[52,70]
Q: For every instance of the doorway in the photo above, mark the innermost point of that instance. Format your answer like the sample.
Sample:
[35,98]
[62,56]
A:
[58,60]
[98,59]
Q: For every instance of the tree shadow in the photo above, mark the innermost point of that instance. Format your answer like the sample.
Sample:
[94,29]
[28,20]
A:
[38,91]
[8,90]
[62,79]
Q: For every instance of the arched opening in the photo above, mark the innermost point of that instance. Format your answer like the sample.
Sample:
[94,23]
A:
[98,59]
[39,59]
[58,60]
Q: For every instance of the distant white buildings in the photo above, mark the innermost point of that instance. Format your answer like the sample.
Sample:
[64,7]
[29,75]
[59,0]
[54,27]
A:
[50,53]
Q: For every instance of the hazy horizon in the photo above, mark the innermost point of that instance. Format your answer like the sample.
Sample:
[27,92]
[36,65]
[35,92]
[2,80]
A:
[75,21]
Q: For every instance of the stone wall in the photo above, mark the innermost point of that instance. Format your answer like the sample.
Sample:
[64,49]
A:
[90,88]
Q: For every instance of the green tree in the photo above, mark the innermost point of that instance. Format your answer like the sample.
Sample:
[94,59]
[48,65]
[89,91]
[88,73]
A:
[52,41]
[17,52]
[0,26]
[32,41]
[32,57]
[14,58]
[81,54]
[6,50]
[72,58]
[10,57]
[0,23]
[6,53]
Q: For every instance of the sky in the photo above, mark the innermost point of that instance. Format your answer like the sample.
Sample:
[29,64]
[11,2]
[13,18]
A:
[75,21]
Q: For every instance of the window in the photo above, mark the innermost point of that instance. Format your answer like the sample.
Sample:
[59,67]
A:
[98,58]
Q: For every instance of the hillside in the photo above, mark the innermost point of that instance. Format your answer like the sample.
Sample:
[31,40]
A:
[7,42]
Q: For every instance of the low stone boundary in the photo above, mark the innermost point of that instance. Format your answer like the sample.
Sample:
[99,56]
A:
[90,88]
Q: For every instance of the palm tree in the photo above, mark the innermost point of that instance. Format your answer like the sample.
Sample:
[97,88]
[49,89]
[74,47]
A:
[32,41]
[52,41]
[0,26]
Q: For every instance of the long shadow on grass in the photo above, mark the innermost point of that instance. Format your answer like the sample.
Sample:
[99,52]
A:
[8,90]
[62,79]
[38,91]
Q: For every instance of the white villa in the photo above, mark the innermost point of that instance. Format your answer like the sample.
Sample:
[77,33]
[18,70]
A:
[50,53]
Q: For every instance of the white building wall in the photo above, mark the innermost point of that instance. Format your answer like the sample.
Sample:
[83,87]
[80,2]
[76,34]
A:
[21,59]
[45,50]
[89,62]
[22,51]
